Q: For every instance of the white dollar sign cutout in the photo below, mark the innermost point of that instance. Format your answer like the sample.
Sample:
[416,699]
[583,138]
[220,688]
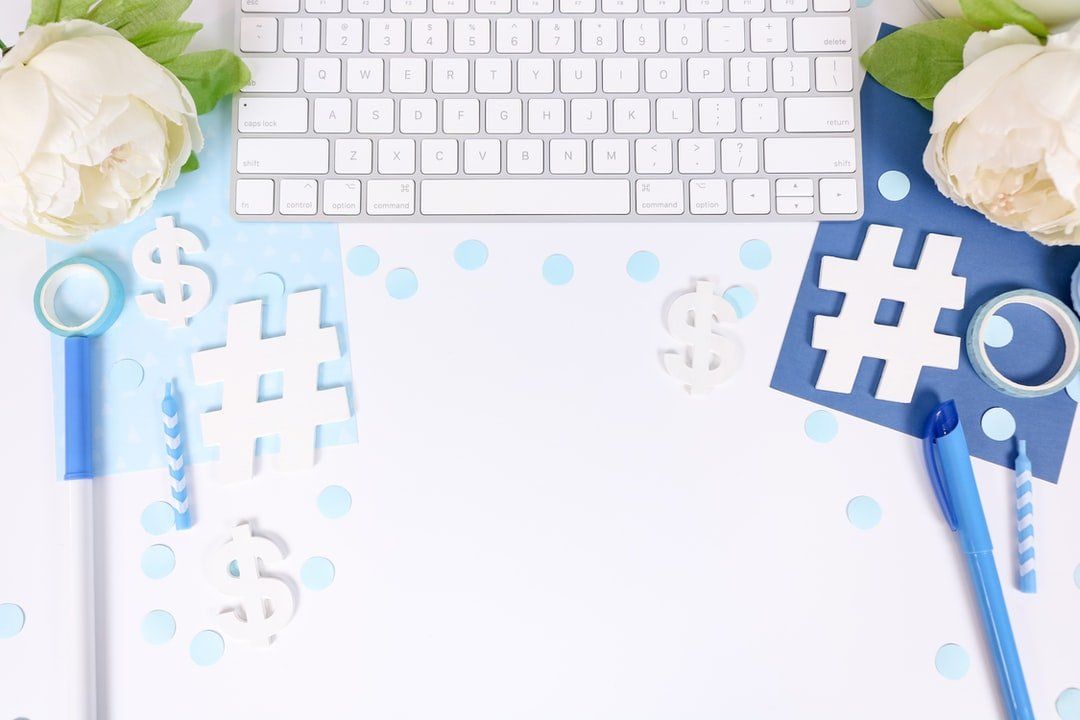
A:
[167,241]
[267,603]
[713,357]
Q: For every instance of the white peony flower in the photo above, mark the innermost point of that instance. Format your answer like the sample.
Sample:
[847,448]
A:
[1005,139]
[92,129]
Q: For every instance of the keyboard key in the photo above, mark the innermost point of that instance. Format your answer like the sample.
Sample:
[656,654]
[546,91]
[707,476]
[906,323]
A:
[258,34]
[652,156]
[821,34]
[438,157]
[705,75]
[364,75]
[352,156]
[599,35]
[794,188]
[641,35]
[794,205]
[344,35]
[567,157]
[819,114]
[697,156]
[472,35]
[322,6]
[503,116]
[708,197]
[450,6]
[273,75]
[391,197]
[270,6]
[408,6]
[386,35]
[300,35]
[322,75]
[632,115]
[791,74]
[748,74]
[493,75]
[738,156]
[611,156]
[588,116]
[750,196]
[716,115]
[482,157]
[396,157]
[663,75]
[524,157]
[768,35]
[659,197]
[810,155]
[619,6]
[536,75]
[450,75]
[620,75]
[683,35]
[789,6]
[661,6]
[299,197]
[375,115]
[536,6]
[562,196]
[430,35]
[269,115]
[832,5]
[674,115]
[839,196]
[727,35]
[408,75]
[276,156]
[556,35]
[341,197]
[513,35]
[577,75]
[254,197]
[417,116]
[832,74]
[333,115]
[492,7]
[461,117]
[547,116]
[746,6]
[367,6]
[760,115]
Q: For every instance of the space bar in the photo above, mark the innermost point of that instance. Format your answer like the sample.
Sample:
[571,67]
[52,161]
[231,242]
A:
[525,197]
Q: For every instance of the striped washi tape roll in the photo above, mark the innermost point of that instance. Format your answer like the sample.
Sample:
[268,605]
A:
[1060,313]
[1025,522]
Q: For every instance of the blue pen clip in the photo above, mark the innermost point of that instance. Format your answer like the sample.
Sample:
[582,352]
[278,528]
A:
[940,422]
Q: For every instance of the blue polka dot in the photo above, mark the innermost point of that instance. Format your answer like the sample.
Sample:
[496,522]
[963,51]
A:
[206,648]
[821,426]
[741,299]
[894,185]
[317,573]
[471,254]
[1068,704]
[401,283]
[158,518]
[12,619]
[362,260]
[1073,389]
[334,501]
[158,627]
[126,374]
[997,332]
[863,3]
[952,661]
[643,266]
[863,512]
[558,270]
[269,286]
[234,568]
[998,424]
[755,254]
[158,561]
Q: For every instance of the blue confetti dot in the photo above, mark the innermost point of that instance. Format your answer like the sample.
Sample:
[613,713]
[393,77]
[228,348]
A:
[12,619]
[234,568]
[821,426]
[1068,704]
[206,648]
[317,573]
[755,254]
[998,424]
[558,270]
[362,260]
[126,374]
[334,501]
[997,332]
[863,3]
[1073,389]
[158,518]
[894,185]
[158,561]
[952,661]
[863,512]
[643,266]
[269,286]
[158,627]
[741,299]
[471,254]
[401,283]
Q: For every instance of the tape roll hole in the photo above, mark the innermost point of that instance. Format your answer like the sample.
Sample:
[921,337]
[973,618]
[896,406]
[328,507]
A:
[1036,351]
[75,297]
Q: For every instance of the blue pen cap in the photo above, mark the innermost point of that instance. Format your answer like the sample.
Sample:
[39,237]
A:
[943,420]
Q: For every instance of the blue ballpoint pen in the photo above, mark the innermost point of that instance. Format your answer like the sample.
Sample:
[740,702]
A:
[949,464]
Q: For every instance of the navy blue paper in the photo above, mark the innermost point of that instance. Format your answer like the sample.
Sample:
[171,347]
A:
[994,260]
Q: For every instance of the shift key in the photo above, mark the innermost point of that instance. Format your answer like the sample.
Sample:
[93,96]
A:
[272,156]
[809,155]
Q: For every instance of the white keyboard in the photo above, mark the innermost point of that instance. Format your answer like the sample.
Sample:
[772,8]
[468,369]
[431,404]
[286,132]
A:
[547,109]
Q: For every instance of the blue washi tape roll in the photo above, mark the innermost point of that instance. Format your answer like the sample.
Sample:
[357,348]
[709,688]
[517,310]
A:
[1058,311]
[99,322]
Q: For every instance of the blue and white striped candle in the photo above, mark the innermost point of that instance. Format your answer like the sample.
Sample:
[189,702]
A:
[1025,521]
[174,452]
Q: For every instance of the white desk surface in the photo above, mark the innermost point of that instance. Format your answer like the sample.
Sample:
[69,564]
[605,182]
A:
[541,528]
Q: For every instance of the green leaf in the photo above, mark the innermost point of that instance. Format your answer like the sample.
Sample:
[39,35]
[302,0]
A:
[43,12]
[917,61]
[70,9]
[210,76]
[131,17]
[191,165]
[927,103]
[993,14]
[165,41]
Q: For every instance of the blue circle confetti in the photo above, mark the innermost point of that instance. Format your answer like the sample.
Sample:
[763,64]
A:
[158,518]
[1068,704]
[998,424]
[334,501]
[863,512]
[952,661]
[821,426]
[158,561]
[471,255]
[206,648]
[755,254]
[741,299]
[12,619]
[158,627]
[894,185]
[270,286]
[401,283]
[234,568]
[558,270]
[643,266]
[1076,576]
[126,374]
[1073,389]
[362,260]
[317,573]
[997,332]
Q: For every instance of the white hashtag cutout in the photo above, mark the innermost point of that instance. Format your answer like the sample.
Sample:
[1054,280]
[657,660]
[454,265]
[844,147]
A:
[247,356]
[910,345]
